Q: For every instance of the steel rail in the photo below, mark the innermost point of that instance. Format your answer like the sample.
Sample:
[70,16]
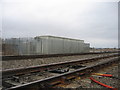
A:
[36,85]
[46,67]
[20,57]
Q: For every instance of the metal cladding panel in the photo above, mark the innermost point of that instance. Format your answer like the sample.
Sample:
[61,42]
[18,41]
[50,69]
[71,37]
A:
[70,46]
[76,48]
[79,47]
[10,48]
[49,46]
[22,49]
[14,42]
[46,45]
[82,47]
[38,43]
[86,47]
[57,45]
[67,46]
[26,46]
[73,46]
[54,45]
[33,47]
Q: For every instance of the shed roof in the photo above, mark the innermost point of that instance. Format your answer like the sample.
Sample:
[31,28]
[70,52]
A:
[49,36]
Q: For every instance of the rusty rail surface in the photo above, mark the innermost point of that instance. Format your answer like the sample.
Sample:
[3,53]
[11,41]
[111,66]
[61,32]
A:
[52,81]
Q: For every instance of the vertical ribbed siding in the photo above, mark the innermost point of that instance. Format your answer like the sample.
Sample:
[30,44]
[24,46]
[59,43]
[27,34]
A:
[46,45]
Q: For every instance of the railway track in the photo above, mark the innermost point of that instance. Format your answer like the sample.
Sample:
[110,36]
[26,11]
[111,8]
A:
[47,67]
[20,57]
[61,68]
[11,64]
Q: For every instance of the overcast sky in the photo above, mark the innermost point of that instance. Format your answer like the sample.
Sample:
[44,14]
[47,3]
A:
[94,22]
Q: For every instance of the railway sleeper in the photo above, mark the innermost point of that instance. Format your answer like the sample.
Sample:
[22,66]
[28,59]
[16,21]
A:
[77,66]
[90,69]
[65,80]
[60,70]
[7,84]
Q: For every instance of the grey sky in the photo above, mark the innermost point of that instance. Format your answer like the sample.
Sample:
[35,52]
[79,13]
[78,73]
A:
[94,22]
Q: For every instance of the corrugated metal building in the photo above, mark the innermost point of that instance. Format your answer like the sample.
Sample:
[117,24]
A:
[60,45]
[47,45]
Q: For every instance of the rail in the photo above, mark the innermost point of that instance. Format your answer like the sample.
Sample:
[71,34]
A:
[46,67]
[36,85]
[19,57]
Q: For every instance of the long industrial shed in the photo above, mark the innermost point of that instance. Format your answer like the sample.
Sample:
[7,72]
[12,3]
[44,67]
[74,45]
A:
[47,45]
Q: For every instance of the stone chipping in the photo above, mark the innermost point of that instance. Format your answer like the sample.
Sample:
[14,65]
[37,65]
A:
[39,61]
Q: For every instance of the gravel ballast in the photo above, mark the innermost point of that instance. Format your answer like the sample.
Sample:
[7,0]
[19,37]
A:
[87,83]
[39,61]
